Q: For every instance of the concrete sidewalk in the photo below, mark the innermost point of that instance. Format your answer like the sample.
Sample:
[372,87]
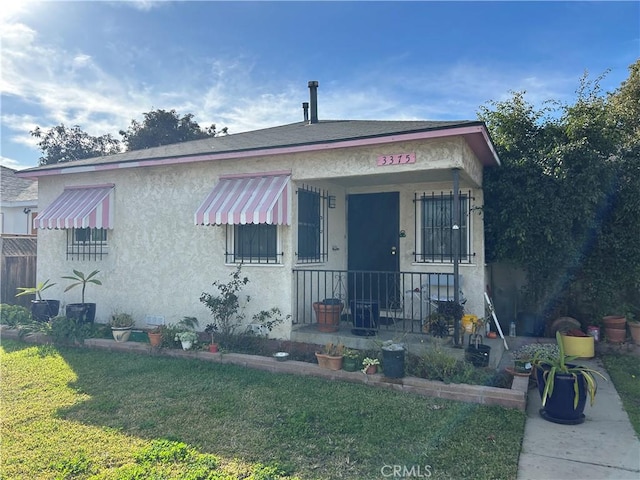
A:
[605,446]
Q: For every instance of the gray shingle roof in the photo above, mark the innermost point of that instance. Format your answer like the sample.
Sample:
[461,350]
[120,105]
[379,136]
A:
[15,189]
[295,134]
[18,246]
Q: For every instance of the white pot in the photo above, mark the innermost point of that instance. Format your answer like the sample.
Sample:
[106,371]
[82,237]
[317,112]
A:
[186,344]
[121,334]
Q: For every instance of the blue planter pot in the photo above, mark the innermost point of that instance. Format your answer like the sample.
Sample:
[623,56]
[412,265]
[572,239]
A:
[559,406]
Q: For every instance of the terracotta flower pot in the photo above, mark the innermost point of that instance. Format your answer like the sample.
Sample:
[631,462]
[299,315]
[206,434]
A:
[371,369]
[634,328]
[615,321]
[155,339]
[329,361]
[328,316]
[213,348]
[615,335]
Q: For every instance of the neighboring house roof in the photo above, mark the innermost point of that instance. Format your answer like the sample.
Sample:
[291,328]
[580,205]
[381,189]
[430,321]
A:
[295,137]
[21,246]
[15,189]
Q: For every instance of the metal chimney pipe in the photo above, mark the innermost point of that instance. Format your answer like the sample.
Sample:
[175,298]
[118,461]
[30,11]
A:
[313,91]
[305,110]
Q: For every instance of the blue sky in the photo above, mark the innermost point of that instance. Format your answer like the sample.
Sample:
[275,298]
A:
[245,65]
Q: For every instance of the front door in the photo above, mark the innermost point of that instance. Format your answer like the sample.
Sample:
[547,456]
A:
[373,247]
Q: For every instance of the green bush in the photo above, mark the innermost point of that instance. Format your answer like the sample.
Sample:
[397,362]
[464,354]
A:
[70,330]
[14,315]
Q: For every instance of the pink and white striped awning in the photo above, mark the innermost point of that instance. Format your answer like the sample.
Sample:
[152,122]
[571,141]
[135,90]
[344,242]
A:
[79,207]
[242,199]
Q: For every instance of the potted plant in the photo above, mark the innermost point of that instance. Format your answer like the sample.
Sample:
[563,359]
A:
[83,311]
[370,365]
[634,328]
[212,329]
[41,309]
[186,334]
[632,321]
[577,343]
[331,356]
[350,361]
[615,328]
[522,362]
[121,325]
[186,338]
[564,386]
[328,313]
[155,336]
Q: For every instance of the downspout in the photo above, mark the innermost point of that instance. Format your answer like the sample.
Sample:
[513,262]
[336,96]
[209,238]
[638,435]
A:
[456,253]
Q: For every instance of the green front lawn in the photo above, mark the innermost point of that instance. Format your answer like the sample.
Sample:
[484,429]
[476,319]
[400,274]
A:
[83,413]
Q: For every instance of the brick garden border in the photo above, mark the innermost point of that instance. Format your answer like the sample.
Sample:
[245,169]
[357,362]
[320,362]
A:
[515,397]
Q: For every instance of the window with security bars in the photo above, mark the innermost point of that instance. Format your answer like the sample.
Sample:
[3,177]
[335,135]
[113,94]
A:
[86,243]
[252,243]
[435,230]
[312,230]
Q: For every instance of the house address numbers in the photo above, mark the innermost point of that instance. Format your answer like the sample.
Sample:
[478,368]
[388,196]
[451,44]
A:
[396,159]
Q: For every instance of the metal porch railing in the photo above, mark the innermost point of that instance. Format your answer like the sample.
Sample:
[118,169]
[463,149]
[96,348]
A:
[408,302]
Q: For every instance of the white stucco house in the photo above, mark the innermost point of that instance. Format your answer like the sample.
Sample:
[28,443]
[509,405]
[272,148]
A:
[356,210]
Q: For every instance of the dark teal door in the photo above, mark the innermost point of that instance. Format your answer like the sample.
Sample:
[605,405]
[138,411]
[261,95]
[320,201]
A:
[373,247]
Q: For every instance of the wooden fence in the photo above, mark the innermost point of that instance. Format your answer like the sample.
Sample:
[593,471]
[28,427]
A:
[18,268]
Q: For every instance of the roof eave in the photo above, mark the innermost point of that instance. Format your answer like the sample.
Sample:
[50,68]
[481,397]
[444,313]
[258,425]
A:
[475,134]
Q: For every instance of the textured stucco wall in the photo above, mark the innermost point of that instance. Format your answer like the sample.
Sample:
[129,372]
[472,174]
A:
[159,262]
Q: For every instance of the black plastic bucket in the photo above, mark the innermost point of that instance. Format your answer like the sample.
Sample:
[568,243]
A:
[477,353]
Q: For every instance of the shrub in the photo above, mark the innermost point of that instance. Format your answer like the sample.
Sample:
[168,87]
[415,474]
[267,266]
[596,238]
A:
[225,307]
[70,330]
[14,315]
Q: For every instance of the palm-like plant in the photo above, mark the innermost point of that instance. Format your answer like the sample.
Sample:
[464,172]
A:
[561,364]
[37,290]
[81,279]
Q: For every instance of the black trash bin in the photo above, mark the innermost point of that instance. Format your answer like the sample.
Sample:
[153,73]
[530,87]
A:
[365,316]
[393,361]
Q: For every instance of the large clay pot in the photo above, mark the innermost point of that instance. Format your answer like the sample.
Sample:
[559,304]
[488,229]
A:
[615,328]
[329,361]
[615,335]
[614,321]
[328,315]
[634,328]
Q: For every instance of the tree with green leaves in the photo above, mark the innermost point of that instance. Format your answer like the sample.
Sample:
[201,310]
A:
[564,205]
[164,127]
[65,144]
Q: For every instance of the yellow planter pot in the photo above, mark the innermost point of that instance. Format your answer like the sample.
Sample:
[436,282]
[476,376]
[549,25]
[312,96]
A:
[583,347]
[468,321]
